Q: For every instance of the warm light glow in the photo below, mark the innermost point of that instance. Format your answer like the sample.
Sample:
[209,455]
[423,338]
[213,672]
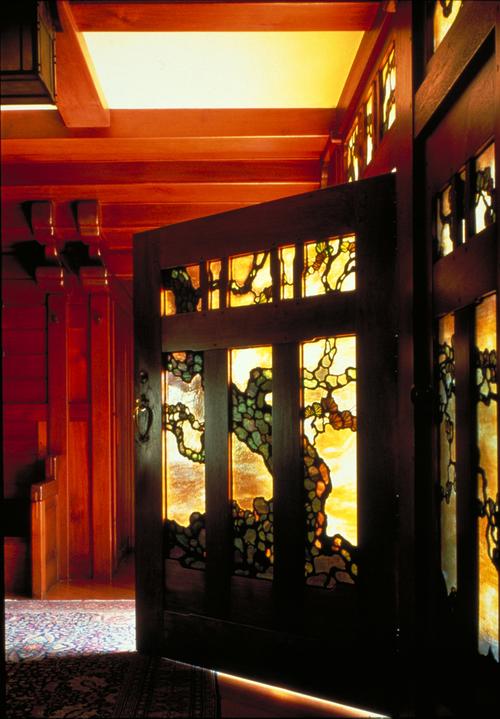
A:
[484,200]
[251,478]
[289,694]
[441,23]
[487,441]
[27,107]
[185,479]
[222,69]
[337,447]
[250,280]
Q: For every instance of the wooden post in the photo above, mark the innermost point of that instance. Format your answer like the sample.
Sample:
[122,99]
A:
[94,279]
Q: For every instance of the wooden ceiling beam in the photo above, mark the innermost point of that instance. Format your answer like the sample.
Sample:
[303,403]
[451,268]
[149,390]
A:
[79,98]
[307,147]
[223,16]
[87,173]
[159,192]
[146,124]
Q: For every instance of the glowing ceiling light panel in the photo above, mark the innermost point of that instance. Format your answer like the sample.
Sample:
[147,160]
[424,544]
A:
[222,69]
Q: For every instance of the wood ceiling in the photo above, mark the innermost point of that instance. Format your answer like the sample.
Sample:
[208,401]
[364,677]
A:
[149,168]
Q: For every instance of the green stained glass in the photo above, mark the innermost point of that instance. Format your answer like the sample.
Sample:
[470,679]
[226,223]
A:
[329,447]
[487,474]
[330,265]
[251,454]
[184,457]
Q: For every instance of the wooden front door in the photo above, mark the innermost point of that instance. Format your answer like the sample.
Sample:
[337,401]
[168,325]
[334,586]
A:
[266,441]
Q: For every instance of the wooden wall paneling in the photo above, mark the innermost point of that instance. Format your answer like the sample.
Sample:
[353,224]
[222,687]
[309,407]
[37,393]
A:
[288,479]
[58,414]
[78,351]
[457,50]
[79,526]
[148,454]
[44,532]
[123,405]
[101,429]
[219,523]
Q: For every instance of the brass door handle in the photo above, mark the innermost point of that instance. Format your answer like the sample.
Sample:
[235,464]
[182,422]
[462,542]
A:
[143,415]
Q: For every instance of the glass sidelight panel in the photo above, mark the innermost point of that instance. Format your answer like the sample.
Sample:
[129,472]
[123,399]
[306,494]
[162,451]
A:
[447,451]
[330,477]
[184,457]
[484,198]
[487,474]
[445,13]
[251,460]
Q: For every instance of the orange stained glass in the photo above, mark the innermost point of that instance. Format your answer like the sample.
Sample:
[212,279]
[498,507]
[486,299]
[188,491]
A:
[445,14]
[286,258]
[447,451]
[487,440]
[329,389]
[250,280]
[352,154]
[185,478]
[485,189]
[329,265]
[251,477]
[443,222]
[214,268]
[181,291]
[388,91]
[369,134]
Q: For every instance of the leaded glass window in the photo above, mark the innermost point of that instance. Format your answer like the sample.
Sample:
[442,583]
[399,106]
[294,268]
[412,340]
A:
[443,222]
[445,14]
[181,290]
[329,450]
[487,474]
[484,198]
[184,457]
[329,265]
[287,260]
[388,92]
[250,281]
[353,154]
[447,451]
[214,269]
[251,461]
[369,128]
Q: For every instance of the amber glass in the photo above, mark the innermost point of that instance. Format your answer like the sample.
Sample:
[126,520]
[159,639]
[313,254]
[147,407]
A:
[484,199]
[184,457]
[214,268]
[447,451]
[286,258]
[443,222]
[445,14]
[250,280]
[487,473]
[330,265]
[369,128]
[251,461]
[352,154]
[330,474]
[388,91]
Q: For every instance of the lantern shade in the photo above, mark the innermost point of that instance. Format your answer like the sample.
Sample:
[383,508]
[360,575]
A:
[27,58]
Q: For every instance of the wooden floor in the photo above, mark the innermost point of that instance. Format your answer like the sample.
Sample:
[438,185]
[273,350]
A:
[239,697]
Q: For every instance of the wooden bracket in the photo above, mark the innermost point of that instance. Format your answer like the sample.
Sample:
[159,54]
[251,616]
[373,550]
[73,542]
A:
[42,219]
[88,220]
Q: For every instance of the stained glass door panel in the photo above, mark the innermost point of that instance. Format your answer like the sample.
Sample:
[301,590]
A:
[265,344]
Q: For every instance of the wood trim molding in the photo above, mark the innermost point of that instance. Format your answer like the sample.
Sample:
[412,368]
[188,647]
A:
[451,59]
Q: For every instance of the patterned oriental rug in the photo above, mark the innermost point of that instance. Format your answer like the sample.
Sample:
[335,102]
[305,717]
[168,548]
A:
[72,659]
